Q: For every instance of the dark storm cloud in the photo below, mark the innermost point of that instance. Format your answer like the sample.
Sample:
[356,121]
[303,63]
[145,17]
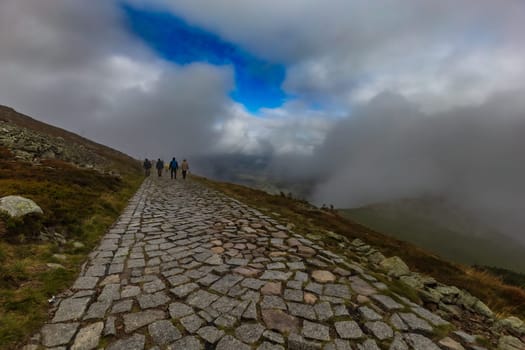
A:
[388,150]
[74,64]
[453,123]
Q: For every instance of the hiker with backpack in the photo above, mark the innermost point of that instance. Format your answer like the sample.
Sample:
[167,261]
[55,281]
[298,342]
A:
[147,167]
[174,166]
[159,166]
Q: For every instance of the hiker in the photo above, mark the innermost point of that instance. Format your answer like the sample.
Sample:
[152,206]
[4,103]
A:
[147,166]
[159,166]
[174,166]
[185,167]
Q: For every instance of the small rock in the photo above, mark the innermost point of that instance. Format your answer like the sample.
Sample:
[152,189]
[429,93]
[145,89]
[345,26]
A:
[280,321]
[77,244]
[395,266]
[55,266]
[323,276]
[272,288]
[309,298]
[450,344]
[508,342]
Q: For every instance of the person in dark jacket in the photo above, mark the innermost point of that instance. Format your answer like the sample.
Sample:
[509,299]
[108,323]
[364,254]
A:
[174,166]
[147,167]
[160,166]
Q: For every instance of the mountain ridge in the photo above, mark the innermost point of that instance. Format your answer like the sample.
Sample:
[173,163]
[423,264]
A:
[56,143]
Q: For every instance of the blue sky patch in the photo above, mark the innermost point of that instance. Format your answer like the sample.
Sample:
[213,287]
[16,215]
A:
[257,82]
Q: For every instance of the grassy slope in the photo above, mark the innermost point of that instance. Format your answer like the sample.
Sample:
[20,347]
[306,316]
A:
[500,297]
[79,203]
[434,226]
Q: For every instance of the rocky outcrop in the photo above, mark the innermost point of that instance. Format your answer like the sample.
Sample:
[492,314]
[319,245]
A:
[31,140]
[16,206]
[29,145]
[450,301]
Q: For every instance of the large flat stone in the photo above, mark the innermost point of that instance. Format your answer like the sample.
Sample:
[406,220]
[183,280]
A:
[187,343]
[348,330]
[147,301]
[71,309]
[280,321]
[135,342]
[316,331]
[58,334]
[139,319]
[163,332]
[249,333]
[230,343]
[88,337]
[86,282]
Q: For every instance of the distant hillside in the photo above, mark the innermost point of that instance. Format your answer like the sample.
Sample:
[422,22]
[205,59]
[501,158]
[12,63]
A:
[252,171]
[438,226]
[29,139]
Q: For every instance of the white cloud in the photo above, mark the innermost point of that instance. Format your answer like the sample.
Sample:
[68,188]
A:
[293,129]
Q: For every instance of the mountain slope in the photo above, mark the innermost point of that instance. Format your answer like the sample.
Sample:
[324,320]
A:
[81,186]
[316,222]
[444,229]
[28,139]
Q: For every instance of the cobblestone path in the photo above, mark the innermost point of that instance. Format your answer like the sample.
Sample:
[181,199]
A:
[188,268]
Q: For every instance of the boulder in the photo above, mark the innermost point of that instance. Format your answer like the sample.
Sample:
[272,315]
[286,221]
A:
[413,280]
[510,343]
[512,324]
[16,206]
[375,258]
[482,309]
[395,267]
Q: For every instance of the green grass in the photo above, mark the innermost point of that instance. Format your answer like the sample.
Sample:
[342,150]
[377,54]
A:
[81,204]
[438,228]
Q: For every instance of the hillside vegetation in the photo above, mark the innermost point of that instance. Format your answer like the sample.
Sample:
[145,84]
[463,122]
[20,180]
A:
[442,229]
[41,256]
[500,297]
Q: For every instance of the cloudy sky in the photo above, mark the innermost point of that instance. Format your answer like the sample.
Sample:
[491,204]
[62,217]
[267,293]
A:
[375,99]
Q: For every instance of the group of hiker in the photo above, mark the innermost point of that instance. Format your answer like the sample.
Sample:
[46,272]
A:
[173,167]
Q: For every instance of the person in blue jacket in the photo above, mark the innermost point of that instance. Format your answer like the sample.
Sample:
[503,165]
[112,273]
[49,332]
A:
[174,166]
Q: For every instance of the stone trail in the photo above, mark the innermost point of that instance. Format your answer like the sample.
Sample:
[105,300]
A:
[186,267]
